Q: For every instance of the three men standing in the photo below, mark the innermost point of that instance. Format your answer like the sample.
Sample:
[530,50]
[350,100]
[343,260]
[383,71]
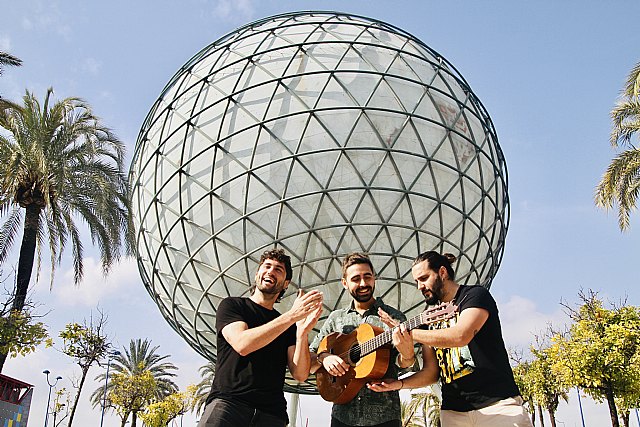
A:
[256,344]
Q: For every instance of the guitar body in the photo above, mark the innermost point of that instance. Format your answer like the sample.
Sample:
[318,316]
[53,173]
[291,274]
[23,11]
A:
[344,388]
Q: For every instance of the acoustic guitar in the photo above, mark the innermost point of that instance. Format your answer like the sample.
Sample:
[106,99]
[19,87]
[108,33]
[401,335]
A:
[367,351]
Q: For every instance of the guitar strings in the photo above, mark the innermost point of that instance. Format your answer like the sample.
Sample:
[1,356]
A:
[411,324]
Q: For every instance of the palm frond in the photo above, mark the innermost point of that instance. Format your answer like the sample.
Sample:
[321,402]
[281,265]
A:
[620,186]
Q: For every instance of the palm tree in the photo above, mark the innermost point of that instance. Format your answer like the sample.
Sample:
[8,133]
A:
[408,413]
[203,388]
[58,163]
[423,410]
[139,358]
[8,59]
[620,184]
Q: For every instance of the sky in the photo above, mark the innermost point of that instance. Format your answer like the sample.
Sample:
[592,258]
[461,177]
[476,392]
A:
[548,73]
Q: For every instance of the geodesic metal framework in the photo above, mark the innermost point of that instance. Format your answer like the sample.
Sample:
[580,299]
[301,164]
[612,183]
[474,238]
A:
[322,133]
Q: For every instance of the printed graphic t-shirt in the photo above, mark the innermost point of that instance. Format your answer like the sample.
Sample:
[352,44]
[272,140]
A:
[478,374]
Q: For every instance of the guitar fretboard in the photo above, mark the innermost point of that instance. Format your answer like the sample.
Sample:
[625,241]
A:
[436,314]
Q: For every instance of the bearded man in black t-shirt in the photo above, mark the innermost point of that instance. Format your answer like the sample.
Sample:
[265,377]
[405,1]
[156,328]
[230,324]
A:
[255,346]
[468,357]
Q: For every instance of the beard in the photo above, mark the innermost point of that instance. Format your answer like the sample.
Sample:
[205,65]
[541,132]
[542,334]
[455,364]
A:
[362,297]
[274,289]
[434,295]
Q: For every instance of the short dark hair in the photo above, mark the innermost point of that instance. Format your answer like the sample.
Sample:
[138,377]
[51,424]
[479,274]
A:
[353,259]
[275,255]
[437,260]
[280,256]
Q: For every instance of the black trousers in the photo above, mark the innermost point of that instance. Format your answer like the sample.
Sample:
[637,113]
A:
[225,413]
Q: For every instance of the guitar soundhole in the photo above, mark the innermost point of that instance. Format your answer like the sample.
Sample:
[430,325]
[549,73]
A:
[354,355]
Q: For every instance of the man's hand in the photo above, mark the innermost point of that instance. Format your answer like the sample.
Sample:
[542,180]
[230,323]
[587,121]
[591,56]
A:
[403,342]
[386,384]
[387,319]
[305,304]
[307,323]
[334,364]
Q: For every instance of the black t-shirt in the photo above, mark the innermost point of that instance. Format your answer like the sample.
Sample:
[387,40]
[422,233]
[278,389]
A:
[257,378]
[478,374]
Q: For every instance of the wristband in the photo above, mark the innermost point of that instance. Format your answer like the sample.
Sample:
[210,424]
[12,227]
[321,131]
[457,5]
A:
[399,357]
[401,384]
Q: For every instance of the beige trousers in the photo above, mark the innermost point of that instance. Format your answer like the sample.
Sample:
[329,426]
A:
[504,413]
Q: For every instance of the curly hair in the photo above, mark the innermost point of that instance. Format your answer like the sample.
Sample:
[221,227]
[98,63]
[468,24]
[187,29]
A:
[280,256]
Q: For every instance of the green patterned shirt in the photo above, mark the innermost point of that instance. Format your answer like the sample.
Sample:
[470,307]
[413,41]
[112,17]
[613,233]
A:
[368,408]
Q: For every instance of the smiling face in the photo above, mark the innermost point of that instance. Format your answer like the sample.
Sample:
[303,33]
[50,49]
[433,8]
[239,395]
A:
[360,281]
[271,277]
[429,282]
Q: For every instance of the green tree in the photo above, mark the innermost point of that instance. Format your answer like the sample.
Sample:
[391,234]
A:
[59,163]
[87,344]
[600,353]
[620,183]
[139,358]
[159,414]
[130,393]
[525,385]
[546,387]
[20,331]
[203,388]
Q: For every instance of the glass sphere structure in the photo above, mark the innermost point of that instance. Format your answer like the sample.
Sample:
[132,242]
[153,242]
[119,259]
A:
[320,133]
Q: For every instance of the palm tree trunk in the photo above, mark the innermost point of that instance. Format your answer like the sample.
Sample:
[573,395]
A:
[75,402]
[134,418]
[27,255]
[25,262]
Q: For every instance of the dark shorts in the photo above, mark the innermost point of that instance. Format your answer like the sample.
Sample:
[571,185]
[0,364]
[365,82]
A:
[225,413]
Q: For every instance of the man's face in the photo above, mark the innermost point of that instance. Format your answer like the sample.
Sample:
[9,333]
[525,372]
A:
[429,282]
[360,282]
[271,277]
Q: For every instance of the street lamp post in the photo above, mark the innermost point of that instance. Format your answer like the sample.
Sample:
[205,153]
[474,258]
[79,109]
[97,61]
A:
[58,378]
[580,405]
[110,355]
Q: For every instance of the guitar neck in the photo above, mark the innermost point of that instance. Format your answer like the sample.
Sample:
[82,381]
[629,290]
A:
[385,337]
[436,314]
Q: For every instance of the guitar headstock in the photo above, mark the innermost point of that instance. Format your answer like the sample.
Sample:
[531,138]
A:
[438,313]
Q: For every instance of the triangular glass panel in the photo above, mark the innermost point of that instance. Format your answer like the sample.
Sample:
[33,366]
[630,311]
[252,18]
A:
[338,124]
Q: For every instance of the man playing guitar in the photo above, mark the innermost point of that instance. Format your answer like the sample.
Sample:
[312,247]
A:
[367,408]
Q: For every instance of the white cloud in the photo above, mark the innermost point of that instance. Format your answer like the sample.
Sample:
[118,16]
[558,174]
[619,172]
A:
[27,24]
[91,66]
[95,287]
[5,43]
[521,321]
[235,10]
[47,17]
